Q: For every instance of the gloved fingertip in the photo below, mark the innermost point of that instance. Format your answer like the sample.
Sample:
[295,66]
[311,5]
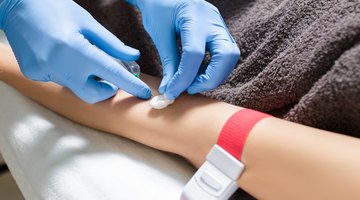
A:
[171,96]
[135,52]
[144,93]
[194,90]
[130,54]
[167,75]
[163,84]
[162,89]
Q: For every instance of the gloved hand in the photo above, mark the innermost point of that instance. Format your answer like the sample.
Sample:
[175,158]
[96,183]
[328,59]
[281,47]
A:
[53,40]
[200,26]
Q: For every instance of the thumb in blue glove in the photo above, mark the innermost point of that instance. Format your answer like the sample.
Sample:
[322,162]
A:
[57,41]
[200,26]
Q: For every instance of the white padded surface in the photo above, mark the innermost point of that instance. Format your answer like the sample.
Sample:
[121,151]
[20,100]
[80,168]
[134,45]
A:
[53,158]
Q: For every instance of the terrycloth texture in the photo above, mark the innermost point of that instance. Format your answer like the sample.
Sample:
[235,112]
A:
[300,59]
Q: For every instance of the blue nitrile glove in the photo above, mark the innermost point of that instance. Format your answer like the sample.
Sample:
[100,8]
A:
[200,26]
[53,40]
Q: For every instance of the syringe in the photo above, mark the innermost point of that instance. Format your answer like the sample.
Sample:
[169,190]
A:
[132,67]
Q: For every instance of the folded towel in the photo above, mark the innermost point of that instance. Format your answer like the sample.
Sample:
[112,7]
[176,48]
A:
[300,59]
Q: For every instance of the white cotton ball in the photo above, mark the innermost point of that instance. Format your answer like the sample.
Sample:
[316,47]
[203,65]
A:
[160,102]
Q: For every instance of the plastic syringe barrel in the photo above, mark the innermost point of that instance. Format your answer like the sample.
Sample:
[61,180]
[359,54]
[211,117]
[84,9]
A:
[132,67]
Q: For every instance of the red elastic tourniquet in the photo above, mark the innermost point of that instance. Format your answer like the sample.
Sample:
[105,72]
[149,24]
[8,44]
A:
[235,131]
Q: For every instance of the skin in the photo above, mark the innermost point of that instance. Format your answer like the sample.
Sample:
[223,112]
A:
[283,160]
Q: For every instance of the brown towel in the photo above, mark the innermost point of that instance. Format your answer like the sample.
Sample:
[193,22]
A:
[300,59]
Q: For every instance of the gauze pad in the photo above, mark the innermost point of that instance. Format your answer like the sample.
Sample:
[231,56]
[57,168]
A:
[160,102]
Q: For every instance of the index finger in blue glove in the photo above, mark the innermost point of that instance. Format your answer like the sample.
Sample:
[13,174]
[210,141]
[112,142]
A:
[108,42]
[193,52]
[224,56]
[93,91]
[86,87]
[110,70]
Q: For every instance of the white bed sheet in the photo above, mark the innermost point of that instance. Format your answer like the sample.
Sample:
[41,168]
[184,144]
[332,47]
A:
[53,158]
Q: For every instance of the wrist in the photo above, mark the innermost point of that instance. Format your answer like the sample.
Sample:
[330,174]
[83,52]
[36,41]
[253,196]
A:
[218,176]
[229,131]
[205,131]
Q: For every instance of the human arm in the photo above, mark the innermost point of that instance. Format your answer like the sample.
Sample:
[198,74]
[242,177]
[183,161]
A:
[123,115]
[283,160]
[59,41]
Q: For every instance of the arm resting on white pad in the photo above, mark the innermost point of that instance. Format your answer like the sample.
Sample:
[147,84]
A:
[51,157]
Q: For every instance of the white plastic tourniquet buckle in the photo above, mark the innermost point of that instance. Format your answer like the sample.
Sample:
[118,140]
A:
[216,178]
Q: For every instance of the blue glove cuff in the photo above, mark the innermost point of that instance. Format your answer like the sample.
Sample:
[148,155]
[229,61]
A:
[6,6]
